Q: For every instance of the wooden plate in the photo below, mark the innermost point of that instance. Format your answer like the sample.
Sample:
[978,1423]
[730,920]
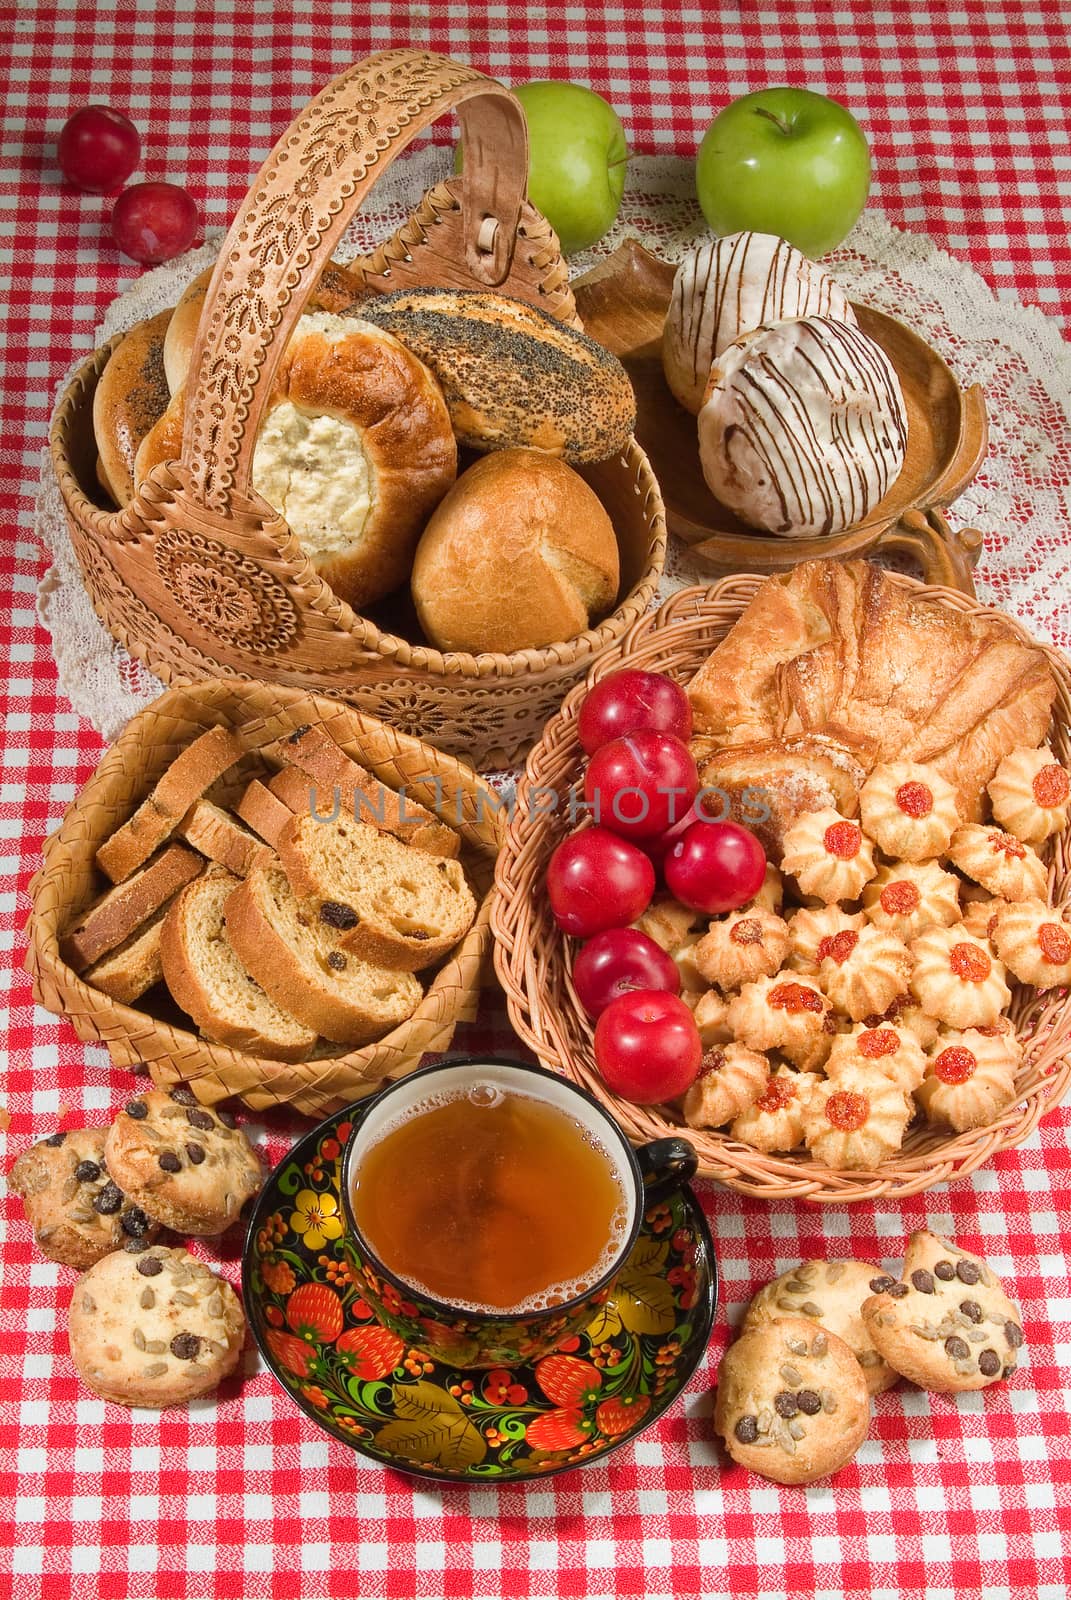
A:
[623,302]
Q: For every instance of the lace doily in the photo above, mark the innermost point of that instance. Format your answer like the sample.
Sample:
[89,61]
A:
[1021,499]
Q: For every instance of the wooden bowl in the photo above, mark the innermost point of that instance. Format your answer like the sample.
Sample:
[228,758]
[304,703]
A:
[533,958]
[623,304]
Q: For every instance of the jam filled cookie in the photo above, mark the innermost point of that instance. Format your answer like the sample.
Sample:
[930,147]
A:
[828,856]
[956,979]
[948,1325]
[909,896]
[772,894]
[792,1401]
[887,1051]
[980,916]
[970,1078]
[905,1013]
[669,923]
[1031,795]
[730,1079]
[741,947]
[786,1013]
[813,930]
[154,1330]
[863,972]
[676,930]
[189,1167]
[711,1011]
[908,810]
[998,861]
[1033,941]
[830,1293]
[774,1122]
[855,1120]
[77,1213]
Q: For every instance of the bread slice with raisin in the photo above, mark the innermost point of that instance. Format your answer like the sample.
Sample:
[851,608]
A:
[298,959]
[263,811]
[132,968]
[325,769]
[119,913]
[212,985]
[220,837]
[185,781]
[395,906]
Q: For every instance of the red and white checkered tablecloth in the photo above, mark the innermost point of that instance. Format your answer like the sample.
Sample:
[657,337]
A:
[967,111]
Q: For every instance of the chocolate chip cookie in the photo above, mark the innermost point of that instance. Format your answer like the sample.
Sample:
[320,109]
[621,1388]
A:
[792,1401]
[188,1167]
[947,1323]
[154,1330]
[830,1293]
[77,1212]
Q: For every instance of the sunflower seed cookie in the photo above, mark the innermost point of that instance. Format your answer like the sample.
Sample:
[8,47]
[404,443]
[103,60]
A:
[831,1294]
[948,1325]
[188,1167]
[77,1213]
[792,1401]
[154,1330]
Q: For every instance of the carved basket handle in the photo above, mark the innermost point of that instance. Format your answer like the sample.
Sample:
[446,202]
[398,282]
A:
[299,206]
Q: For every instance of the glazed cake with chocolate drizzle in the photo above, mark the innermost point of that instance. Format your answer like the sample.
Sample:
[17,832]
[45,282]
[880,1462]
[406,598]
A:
[731,286]
[803,427]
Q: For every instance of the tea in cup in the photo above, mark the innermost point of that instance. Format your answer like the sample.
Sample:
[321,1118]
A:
[491,1206]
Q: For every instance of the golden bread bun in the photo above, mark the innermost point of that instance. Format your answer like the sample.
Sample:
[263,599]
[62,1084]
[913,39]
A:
[128,401]
[513,376]
[355,450]
[519,554]
[339,290]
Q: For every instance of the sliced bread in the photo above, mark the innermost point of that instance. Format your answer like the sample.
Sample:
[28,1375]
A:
[121,911]
[155,820]
[210,983]
[393,905]
[313,752]
[263,811]
[132,968]
[299,792]
[217,835]
[298,959]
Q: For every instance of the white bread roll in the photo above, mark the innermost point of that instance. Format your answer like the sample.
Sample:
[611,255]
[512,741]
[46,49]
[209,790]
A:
[731,286]
[355,450]
[518,555]
[803,427]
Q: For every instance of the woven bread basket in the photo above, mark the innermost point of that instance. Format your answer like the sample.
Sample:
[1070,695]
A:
[533,960]
[258,713]
[200,577]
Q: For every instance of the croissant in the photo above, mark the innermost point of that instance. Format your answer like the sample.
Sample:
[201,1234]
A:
[845,653]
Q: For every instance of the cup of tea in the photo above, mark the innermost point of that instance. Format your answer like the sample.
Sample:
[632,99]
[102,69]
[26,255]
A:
[490,1206]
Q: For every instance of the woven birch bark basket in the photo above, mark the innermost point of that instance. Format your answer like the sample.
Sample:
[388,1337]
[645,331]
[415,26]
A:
[533,958]
[259,714]
[199,576]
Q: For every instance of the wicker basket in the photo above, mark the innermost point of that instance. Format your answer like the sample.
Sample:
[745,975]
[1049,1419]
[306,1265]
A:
[533,964]
[259,713]
[198,576]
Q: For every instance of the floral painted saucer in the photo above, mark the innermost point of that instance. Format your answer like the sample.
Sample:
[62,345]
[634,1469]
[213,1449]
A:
[396,1405]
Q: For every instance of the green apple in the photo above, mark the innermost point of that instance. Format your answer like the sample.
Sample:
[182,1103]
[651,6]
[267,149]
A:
[784,161]
[576,159]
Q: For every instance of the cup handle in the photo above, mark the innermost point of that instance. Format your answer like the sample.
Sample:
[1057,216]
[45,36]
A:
[665,1164]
